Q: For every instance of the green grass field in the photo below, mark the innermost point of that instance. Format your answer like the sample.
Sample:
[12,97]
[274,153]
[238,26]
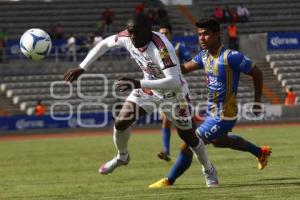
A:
[66,168]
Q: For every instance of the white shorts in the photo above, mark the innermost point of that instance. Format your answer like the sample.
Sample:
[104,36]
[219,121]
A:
[174,106]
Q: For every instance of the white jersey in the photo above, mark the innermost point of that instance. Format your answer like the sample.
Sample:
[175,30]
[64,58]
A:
[153,59]
[158,55]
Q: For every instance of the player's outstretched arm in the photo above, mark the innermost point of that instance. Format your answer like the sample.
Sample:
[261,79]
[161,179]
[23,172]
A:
[73,73]
[257,77]
[189,67]
[171,81]
[100,49]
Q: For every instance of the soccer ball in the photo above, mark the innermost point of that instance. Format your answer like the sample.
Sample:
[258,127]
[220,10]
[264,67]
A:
[35,44]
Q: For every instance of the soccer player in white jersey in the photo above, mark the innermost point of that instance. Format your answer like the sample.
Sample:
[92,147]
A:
[163,84]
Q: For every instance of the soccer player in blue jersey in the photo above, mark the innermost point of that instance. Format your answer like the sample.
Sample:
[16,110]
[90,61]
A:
[183,55]
[222,70]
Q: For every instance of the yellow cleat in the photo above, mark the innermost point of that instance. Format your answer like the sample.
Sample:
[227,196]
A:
[161,183]
[263,159]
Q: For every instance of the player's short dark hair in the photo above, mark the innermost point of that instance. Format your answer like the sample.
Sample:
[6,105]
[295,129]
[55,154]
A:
[167,26]
[210,24]
[291,89]
[140,21]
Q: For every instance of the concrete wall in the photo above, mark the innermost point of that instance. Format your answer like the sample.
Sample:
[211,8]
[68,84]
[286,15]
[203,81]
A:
[291,112]
[175,2]
[254,45]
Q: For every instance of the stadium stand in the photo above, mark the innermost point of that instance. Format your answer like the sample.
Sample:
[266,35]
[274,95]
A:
[73,15]
[24,88]
[267,15]
[286,66]
[82,18]
[33,83]
[26,82]
[7,107]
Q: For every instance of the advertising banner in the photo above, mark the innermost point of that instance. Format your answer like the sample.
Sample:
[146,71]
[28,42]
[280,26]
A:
[283,40]
[84,120]
[24,122]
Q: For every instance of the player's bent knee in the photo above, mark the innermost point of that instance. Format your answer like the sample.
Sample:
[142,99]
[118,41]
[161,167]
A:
[126,117]
[189,138]
[185,149]
[122,124]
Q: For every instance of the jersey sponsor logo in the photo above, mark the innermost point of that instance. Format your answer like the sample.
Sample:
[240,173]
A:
[163,51]
[213,82]
[164,54]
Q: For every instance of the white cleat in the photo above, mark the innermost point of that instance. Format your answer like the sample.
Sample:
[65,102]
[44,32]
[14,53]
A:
[111,165]
[211,177]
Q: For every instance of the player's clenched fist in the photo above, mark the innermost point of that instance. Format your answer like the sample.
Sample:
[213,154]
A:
[125,84]
[72,74]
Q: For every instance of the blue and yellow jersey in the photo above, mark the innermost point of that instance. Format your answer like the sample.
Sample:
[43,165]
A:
[182,52]
[222,73]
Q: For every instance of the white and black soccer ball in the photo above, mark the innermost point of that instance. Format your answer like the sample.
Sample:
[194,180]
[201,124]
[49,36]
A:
[35,44]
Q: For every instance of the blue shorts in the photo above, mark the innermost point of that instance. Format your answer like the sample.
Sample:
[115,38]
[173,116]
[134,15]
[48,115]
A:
[212,128]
